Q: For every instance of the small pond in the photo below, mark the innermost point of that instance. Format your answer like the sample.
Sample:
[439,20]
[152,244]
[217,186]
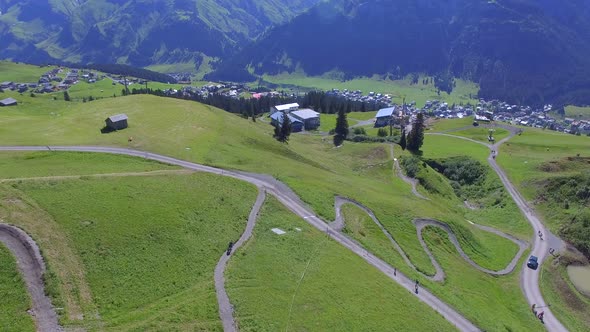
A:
[580,277]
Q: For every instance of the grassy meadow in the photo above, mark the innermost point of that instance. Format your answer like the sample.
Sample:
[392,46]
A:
[473,292]
[578,112]
[147,246]
[464,92]
[567,303]
[188,130]
[309,164]
[45,163]
[440,125]
[328,121]
[20,73]
[481,134]
[303,281]
[523,156]
[15,297]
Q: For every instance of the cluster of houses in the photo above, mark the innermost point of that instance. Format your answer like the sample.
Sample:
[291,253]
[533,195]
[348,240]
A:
[20,87]
[182,78]
[233,90]
[52,81]
[383,100]
[485,111]
[301,119]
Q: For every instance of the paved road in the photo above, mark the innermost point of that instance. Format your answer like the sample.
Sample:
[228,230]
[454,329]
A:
[32,267]
[287,198]
[529,279]
[225,307]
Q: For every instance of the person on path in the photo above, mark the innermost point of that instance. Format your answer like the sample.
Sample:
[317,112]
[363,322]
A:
[416,286]
[541,316]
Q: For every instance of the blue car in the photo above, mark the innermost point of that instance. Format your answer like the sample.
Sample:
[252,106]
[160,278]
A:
[533,262]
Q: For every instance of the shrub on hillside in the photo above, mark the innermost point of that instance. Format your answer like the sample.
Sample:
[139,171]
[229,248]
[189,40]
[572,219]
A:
[464,170]
[577,232]
[411,165]
[359,131]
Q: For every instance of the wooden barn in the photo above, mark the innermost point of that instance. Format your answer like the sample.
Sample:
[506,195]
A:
[117,122]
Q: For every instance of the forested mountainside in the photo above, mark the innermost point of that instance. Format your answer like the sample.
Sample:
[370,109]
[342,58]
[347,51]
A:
[136,32]
[531,51]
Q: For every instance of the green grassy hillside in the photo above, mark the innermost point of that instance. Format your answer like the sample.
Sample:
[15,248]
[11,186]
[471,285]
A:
[22,73]
[312,283]
[41,164]
[309,164]
[15,298]
[148,245]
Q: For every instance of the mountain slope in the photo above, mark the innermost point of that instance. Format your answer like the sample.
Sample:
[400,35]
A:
[519,50]
[137,32]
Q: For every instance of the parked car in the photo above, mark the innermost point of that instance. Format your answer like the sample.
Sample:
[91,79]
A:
[533,262]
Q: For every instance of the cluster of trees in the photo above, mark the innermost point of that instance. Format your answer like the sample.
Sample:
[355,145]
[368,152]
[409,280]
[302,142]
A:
[250,107]
[445,82]
[319,101]
[328,103]
[463,170]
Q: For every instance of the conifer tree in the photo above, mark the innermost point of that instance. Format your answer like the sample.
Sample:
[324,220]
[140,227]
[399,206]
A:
[403,142]
[416,137]
[341,131]
[285,130]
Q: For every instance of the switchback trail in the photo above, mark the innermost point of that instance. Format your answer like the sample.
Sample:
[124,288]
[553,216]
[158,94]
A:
[529,279]
[420,224]
[32,267]
[290,200]
[412,182]
[225,307]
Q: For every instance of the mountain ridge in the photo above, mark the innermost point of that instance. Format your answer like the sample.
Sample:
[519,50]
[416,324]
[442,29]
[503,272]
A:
[135,32]
[521,51]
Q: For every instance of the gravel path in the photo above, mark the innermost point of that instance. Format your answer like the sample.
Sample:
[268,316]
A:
[411,181]
[294,204]
[32,267]
[529,279]
[420,224]
[225,307]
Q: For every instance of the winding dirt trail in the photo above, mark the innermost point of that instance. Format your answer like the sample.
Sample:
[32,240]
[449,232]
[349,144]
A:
[529,279]
[225,307]
[31,265]
[292,202]
[400,174]
[420,224]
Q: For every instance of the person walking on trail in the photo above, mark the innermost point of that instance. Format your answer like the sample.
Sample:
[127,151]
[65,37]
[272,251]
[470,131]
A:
[416,286]
[541,316]
[540,235]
